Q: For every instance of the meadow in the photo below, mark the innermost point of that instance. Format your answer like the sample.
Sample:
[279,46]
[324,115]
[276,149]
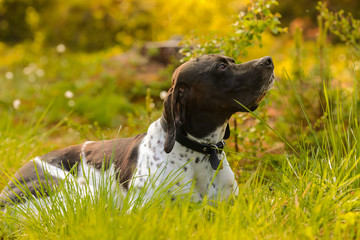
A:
[296,157]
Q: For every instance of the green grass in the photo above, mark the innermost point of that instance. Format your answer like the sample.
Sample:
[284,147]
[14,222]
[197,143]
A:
[313,193]
[115,86]
[307,190]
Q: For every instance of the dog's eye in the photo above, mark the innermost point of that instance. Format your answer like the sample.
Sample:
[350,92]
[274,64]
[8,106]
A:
[222,66]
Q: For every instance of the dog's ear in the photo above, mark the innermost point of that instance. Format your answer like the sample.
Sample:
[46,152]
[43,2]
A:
[174,110]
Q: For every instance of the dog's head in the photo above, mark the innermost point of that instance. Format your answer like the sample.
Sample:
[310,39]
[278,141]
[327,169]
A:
[207,90]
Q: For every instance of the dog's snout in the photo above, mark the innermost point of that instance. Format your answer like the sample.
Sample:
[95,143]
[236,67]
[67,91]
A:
[267,62]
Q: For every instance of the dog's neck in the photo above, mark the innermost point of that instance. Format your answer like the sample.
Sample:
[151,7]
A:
[206,126]
[212,137]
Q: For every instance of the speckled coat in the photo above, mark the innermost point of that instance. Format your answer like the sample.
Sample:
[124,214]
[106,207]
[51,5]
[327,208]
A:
[205,92]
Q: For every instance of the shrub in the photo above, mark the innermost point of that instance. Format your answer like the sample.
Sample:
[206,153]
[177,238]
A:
[247,31]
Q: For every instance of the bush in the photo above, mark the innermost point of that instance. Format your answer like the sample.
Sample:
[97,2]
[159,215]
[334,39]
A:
[93,25]
[247,31]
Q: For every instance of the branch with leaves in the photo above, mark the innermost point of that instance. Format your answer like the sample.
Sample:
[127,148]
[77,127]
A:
[247,31]
[345,26]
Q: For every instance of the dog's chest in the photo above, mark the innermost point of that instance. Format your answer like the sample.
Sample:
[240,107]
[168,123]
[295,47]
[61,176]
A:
[187,167]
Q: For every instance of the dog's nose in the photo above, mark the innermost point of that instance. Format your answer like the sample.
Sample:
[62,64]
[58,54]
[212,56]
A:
[267,62]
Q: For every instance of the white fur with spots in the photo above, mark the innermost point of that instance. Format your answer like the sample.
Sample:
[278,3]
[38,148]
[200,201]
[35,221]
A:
[191,167]
[189,170]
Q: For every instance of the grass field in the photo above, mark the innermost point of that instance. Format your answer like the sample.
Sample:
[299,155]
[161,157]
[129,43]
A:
[308,188]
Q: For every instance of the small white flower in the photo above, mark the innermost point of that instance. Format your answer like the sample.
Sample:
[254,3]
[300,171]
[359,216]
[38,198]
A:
[71,103]
[60,48]
[40,72]
[69,94]
[16,103]
[152,105]
[9,75]
[30,69]
[27,70]
[163,95]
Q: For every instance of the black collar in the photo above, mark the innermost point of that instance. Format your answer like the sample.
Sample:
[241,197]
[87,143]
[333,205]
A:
[212,149]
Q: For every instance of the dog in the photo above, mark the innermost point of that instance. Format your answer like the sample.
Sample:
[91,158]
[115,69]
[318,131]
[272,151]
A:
[187,139]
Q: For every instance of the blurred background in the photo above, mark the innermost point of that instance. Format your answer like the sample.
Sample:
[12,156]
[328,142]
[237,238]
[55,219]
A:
[79,70]
[97,25]
[90,69]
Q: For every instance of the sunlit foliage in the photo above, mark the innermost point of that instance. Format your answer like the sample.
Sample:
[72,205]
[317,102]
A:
[94,25]
[71,71]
